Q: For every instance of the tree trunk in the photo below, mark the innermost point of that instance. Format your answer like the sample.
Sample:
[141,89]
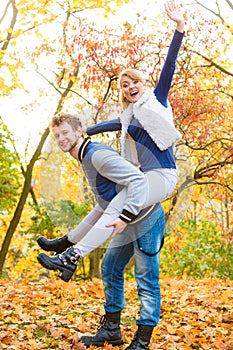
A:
[94,259]
[22,200]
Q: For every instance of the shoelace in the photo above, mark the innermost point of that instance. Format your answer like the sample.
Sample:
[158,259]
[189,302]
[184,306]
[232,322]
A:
[103,320]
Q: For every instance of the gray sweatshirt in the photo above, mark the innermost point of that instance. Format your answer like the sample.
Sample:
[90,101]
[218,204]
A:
[108,173]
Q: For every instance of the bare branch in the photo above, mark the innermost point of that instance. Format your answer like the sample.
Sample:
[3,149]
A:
[210,169]
[200,183]
[213,64]
[211,143]
[217,14]
[230,4]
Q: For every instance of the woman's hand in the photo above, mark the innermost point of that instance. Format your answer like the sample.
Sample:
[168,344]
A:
[119,226]
[174,13]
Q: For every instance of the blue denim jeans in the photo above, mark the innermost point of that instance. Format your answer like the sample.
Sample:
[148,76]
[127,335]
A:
[143,240]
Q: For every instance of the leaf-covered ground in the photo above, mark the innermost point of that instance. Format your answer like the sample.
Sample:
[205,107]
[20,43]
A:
[54,314]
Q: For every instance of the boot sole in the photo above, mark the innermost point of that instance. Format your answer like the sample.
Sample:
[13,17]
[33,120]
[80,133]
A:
[101,343]
[45,261]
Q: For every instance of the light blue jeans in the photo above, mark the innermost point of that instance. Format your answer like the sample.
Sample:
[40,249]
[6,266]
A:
[143,240]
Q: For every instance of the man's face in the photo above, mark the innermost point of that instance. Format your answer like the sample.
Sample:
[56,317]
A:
[65,136]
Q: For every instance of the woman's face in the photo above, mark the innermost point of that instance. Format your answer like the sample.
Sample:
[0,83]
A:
[132,89]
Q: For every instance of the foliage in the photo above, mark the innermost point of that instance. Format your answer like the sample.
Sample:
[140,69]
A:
[24,20]
[54,315]
[59,217]
[50,220]
[198,249]
[9,171]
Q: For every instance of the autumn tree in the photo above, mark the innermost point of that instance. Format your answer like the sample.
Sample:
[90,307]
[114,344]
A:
[211,144]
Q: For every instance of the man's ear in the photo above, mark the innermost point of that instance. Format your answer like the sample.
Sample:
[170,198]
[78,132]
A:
[79,131]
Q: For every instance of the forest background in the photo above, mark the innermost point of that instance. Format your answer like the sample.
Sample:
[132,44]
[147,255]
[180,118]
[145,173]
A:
[66,56]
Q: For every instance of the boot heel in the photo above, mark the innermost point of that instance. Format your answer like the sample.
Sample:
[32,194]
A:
[65,275]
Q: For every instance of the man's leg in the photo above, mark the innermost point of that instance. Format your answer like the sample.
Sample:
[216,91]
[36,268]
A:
[113,265]
[146,251]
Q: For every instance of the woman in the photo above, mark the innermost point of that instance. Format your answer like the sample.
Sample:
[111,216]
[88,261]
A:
[148,131]
[148,134]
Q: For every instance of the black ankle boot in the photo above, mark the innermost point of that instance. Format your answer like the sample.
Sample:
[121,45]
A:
[65,262]
[57,245]
[141,339]
[109,331]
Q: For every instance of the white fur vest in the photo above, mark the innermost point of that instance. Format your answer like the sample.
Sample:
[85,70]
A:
[156,119]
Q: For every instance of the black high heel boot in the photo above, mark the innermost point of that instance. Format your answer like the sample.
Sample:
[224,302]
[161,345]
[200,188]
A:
[65,262]
[57,245]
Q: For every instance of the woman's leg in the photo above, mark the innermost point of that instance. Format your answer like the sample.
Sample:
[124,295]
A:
[91,232]
[85,225]
[160,183]
[99,233]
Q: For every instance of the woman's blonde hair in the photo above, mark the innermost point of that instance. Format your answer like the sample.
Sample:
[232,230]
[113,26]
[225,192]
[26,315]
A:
[133,74]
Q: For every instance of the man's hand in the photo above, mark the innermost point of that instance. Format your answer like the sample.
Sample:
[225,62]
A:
[119,226]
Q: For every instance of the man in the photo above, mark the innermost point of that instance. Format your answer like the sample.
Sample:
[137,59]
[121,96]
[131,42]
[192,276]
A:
[108,174]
